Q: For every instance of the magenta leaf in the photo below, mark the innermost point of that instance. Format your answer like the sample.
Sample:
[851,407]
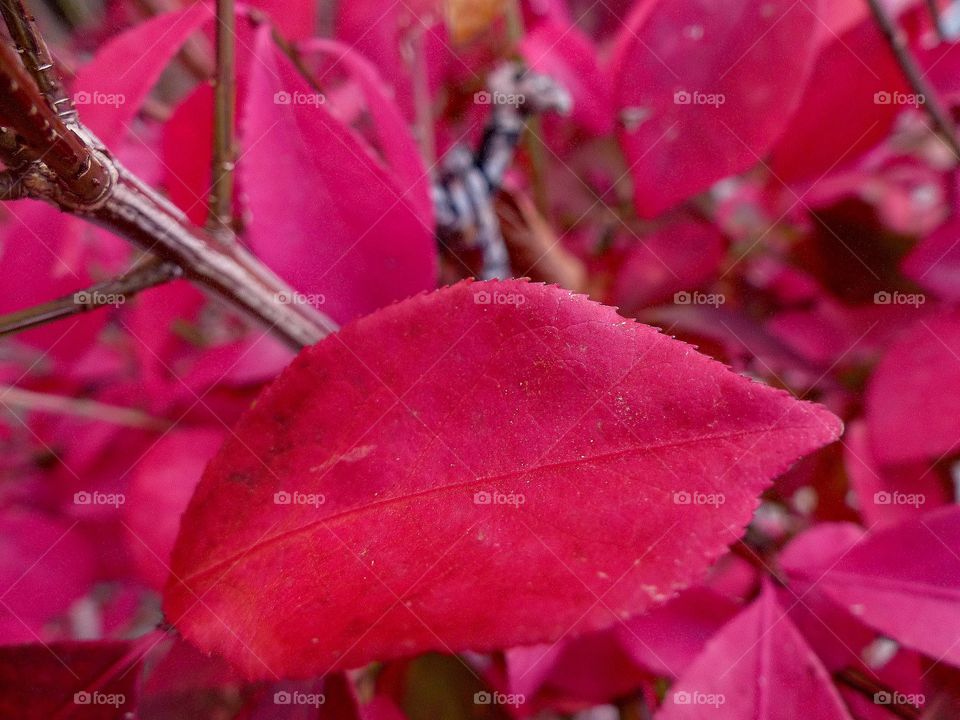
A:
[668,265]
[418,480]
[668,638]
[903,580]
[887,495]
[349,232]
[917,378]
[839,117]
[159,490]
[45,565]
[564,52]
[758,666]
[934,263]
[110,90]
[705,87]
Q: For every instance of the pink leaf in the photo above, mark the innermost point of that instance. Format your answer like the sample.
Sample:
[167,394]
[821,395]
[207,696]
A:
[704,88]
[838,118]
[394,138]
[159,491]
[758,666]
[666,639]
[565,53]
[469,469]
[913,396]
[668,263]
[887,495]
[333,220]
[904,581]
[44,566]
[110,90]
[934,263]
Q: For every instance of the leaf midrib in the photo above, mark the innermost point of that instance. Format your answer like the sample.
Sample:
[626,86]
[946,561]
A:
[339,517]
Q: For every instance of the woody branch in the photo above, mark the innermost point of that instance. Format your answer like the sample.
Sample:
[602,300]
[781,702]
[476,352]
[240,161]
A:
[50,156]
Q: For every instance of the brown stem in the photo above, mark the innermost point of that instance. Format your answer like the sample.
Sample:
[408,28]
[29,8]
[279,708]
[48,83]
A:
[423,105]
[37,58]
[534,131]
[31,401]
[138,213]
[225,100]
[914,74]
[70,168]
[11,186]
[110,292]
[39,134]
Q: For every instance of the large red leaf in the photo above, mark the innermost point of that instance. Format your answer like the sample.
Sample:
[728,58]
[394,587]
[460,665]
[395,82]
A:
[492,458]
[758,666]
[705,87]
[903,580]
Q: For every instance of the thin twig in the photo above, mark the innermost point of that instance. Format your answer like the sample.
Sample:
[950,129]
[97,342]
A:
[531,138]
[28,400]
[224,143]
[914,74]
[423,105]
[113,292]
[37,58]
